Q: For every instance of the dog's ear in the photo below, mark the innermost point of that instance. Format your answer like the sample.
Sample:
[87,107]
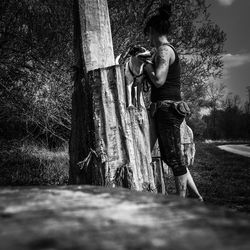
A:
[138,50]
[146,54]
[134,50]
[143,53]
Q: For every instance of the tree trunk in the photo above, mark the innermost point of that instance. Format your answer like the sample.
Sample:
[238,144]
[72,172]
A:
[109,144]
[80,123]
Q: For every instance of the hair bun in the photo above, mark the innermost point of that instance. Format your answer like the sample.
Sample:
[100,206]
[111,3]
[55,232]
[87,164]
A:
[165,11]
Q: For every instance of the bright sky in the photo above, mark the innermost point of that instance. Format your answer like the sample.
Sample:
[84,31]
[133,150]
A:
[233,16]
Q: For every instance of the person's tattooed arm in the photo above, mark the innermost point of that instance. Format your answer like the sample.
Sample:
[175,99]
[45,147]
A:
[158,73]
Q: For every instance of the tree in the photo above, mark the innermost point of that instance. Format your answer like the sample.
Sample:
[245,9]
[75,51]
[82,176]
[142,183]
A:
[215,93]
[231,120]
[103,131]
[35,57]
[198,40]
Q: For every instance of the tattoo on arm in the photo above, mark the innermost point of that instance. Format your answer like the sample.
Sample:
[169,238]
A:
[158,74]
[163,56]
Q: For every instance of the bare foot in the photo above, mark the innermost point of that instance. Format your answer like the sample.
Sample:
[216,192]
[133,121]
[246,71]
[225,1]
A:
[200,199]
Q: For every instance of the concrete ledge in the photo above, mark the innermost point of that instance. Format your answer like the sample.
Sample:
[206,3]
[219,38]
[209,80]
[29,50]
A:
[89,217]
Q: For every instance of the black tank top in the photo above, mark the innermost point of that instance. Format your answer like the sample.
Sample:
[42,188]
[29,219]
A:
[170,90]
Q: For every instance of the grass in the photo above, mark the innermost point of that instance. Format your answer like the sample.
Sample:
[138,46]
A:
[222,178]
[30,164]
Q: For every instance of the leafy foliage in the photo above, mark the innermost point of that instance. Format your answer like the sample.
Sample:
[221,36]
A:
[198,41]
[229,122]
[36,53]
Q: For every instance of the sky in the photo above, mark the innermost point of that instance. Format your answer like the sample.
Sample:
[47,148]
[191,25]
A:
[233,17]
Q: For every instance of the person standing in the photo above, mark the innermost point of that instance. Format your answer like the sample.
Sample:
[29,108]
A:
[164,75]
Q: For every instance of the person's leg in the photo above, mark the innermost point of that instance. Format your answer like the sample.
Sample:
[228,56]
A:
[188,155]
[168,129]
[192,186]
[152,130]
[181,185]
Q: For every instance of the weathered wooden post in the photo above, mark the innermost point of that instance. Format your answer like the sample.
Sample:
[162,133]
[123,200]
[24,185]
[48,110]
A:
[105,135]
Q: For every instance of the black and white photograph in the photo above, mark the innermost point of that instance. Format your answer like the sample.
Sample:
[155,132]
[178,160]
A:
[124,124]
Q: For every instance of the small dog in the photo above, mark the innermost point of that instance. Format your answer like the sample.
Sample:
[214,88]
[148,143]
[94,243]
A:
[134,58]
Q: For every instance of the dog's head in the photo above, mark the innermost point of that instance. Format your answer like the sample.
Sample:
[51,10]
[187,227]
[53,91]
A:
[137,56]
[137,51]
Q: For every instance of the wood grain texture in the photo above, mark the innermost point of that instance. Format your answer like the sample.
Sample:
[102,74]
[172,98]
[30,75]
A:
[106,139]
[80,143]
[121,135]
[96,34]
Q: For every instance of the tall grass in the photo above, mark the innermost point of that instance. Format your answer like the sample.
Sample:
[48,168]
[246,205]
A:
[222,177]
[32,164]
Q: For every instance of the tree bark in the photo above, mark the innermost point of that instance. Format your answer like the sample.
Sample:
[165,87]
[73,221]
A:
[109,144]
[96,34]
[80,124]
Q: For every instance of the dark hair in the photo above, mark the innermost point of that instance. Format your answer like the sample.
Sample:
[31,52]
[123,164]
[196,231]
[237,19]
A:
[160,22]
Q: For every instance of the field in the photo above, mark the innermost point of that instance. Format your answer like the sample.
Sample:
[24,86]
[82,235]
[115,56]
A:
[23,163]
[222,178]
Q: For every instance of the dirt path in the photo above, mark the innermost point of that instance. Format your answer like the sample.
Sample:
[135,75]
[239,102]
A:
[241,149]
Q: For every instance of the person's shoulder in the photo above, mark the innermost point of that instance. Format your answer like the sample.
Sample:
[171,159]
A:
[165,52]
[164,47]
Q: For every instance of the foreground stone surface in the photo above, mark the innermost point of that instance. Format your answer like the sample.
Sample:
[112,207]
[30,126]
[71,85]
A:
[88,217]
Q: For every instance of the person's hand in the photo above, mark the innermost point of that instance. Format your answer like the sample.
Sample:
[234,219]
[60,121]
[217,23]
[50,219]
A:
[147,66]
[153,53]
[151,59]
[147,69]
